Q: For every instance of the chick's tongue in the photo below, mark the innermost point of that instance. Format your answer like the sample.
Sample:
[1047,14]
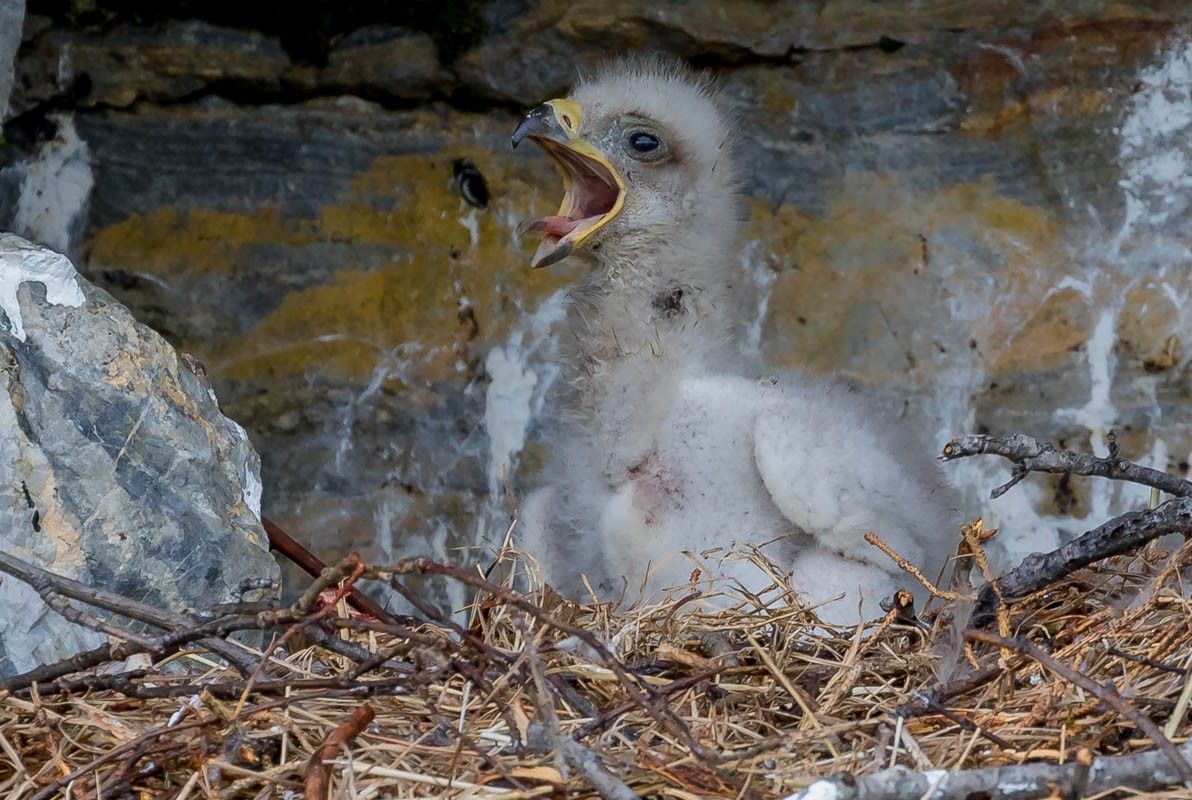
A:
[556,226]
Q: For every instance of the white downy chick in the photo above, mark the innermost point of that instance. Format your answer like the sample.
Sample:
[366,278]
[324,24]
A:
[667,439]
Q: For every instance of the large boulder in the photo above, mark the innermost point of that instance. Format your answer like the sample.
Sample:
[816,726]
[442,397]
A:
[118,468]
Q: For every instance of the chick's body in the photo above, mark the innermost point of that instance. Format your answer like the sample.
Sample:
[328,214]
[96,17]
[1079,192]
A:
[670,443]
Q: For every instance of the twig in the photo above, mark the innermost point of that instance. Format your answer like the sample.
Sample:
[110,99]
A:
[1106,692]
[1083,777]
[163,645]
[232,690]
[927,703]
[1030,455]
[350,569]
[1146,661]
[1120,535]
[60,604]
[638,692]
[923,702]
[117,604]
[603,720]
[282,542]
[909,568]
[318,770]
[588,763]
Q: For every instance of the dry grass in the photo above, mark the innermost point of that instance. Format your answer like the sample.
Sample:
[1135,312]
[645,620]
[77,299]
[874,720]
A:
[756,699]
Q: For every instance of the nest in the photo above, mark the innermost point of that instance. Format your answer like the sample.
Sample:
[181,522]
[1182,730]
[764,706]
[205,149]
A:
[533,696]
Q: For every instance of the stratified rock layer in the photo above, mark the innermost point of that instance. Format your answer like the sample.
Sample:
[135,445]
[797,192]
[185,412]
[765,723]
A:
[117,466]
[977,210]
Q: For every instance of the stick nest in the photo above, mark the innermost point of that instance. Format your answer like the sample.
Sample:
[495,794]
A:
[528,695]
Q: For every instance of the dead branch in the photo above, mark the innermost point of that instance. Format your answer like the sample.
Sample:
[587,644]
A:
[318,770]
[158,647]
[1083,777]
[1120,535]
[925,701]
[1028,455]
[116,604]
[281,542]
[185,630]
[91,766]
[125,683]
[639,692]
[568,751]
[588,763]
[1105,692]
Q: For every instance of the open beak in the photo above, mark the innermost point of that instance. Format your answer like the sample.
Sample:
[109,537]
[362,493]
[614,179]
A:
[593,192]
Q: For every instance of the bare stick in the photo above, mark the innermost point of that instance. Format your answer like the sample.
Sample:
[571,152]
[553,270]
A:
[638,692]
[1106,692]
[1083,777]
[603,720]
[158,647]
[588,763]
[582,759]
[924,701]
[909,568]
[318,771]
[281,542]
[1120,535]
[1030,455]
[117,604]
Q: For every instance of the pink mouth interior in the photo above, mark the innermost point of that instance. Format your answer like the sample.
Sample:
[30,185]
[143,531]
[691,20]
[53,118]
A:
[591,194]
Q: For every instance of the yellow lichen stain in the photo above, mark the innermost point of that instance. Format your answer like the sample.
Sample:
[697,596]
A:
[172,243]
[427,276]
[866,284]
[1148,326]
[998,121]
[1047,334]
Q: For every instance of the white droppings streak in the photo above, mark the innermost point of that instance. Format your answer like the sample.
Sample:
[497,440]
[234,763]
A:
[55,188]
[393,364]
[1155,135]
[252,490]
[507,411]
[24,262]
[471,221]
[192,704]
[763,279]
[1017,787]
[519,380]
[1098,414]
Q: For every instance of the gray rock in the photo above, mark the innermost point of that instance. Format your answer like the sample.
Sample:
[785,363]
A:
[12,14]
[377,61]
[117,67]
[118,468]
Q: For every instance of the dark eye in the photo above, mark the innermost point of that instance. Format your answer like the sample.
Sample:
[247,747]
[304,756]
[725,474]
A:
[642,142]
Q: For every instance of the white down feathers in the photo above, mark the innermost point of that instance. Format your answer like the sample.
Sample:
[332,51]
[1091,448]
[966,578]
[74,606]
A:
[669,446]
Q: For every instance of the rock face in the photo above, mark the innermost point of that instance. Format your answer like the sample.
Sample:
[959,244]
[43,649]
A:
[119,469]
[12,17]
[976,210]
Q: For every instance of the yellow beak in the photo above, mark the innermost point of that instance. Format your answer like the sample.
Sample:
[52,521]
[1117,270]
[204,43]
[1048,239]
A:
[593,191]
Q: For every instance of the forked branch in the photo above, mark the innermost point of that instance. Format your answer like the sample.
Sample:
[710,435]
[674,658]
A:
[1028,455]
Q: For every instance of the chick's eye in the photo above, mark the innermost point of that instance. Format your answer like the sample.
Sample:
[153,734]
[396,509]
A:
[642,142]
